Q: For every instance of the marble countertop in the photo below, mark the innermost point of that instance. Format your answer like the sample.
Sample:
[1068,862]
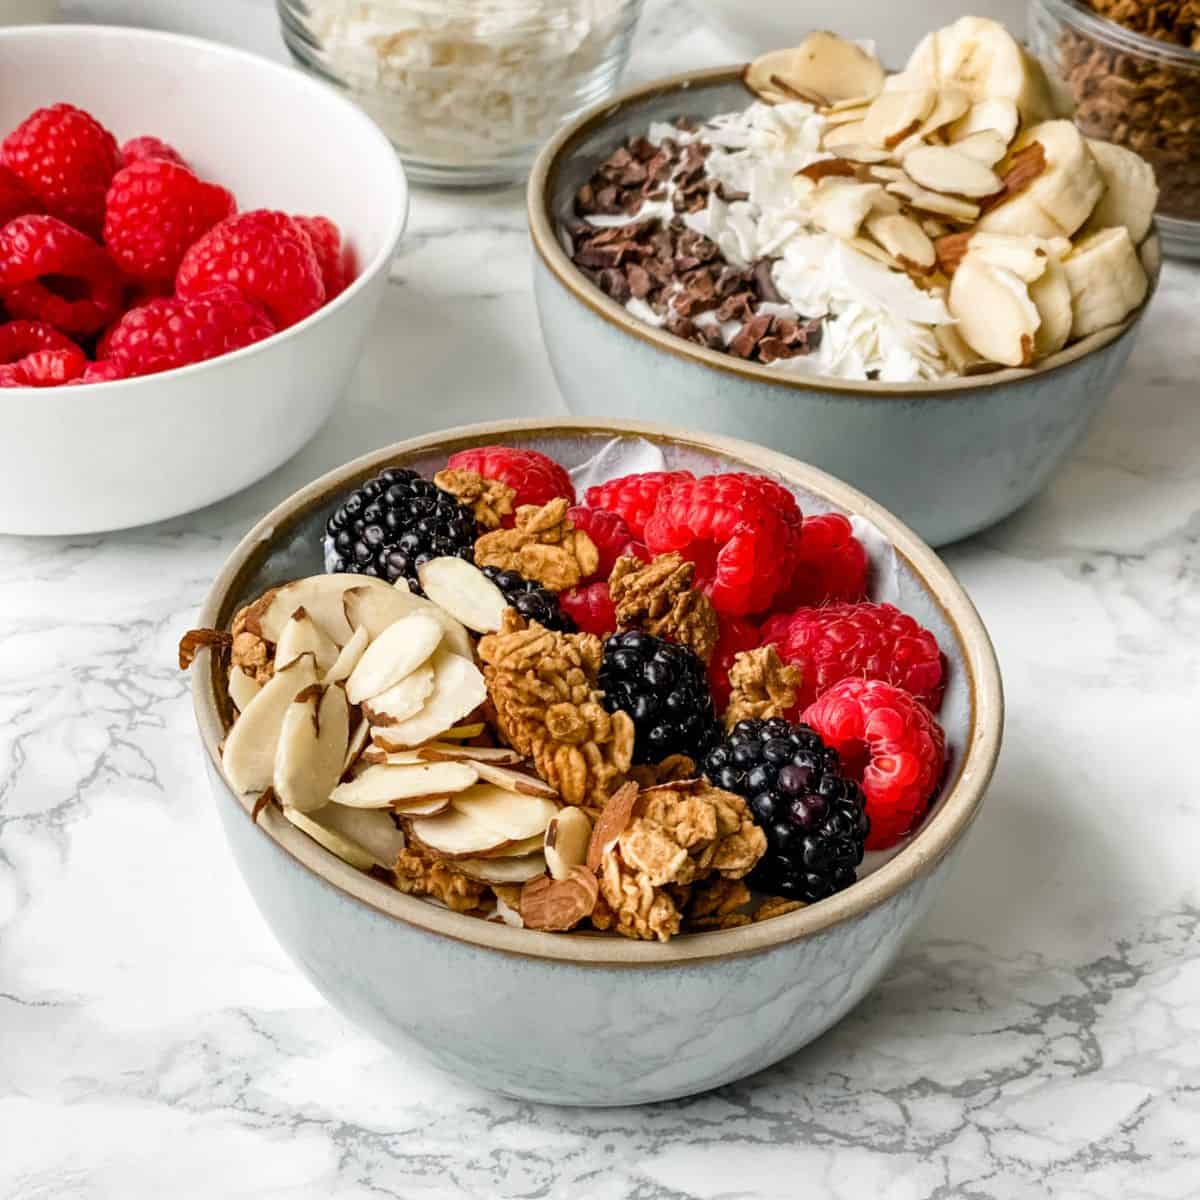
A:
[1040,1037]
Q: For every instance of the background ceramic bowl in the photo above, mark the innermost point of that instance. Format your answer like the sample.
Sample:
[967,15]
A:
[949,458]
[584,1018]
[83,459]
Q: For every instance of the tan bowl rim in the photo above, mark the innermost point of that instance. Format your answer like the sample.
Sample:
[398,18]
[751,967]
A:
[972,768]
[550,251]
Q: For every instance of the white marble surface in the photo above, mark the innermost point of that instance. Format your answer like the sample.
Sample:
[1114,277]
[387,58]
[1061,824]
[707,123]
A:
[1041,1036]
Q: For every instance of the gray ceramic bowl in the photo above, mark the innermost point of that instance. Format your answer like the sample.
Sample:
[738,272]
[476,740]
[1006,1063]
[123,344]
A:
[585,1018]
[950,458]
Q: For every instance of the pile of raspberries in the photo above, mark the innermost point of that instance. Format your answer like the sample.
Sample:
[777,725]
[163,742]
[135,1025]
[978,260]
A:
[118,261]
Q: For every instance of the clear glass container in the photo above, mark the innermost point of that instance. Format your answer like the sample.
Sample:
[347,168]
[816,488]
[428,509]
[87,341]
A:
[1137,91]
[467,90]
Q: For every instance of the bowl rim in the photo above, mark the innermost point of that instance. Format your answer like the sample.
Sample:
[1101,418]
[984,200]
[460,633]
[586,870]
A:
[379,262]
[937,836]
[546,243]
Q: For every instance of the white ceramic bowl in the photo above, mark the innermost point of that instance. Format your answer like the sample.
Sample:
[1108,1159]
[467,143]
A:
[106,456]
[584,1018]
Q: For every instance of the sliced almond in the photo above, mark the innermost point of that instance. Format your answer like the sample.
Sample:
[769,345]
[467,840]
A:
[934,202]
[851,133]
[348,850]
[823,168]
[378,608]
[986,146]
[995,315]
[348,658]
[512,814]
[514,781]
[458,690]
[997,115]
[402,701]
[950,105]
[502,870]
[302,636]
[904,239]
[242,688]
[384,786]
[566,841]
[376,756]
[322,597]
[426,806]
[614,819]
[464,591]
[398,651]
[895,115]
[529,845]
[559,904]
[455,834]
[449,752]
[875,252]
[839,206]
[313,740]
[934,228]
[844,118]
[358,741]
[840,106]
[248,758]
[364,838]
[887,174]
[859,152]
[823,68]
[1025,257]
[465,732]
[941,169]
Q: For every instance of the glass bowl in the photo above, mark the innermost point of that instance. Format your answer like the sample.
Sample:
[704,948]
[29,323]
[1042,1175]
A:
[1137,91]
[467,90]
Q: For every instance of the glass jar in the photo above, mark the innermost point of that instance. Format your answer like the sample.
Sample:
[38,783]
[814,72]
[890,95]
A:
[1137,91]
[467,90]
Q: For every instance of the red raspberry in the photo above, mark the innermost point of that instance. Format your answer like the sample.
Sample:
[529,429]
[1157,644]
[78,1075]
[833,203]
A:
[266,256]
[44,368]
[19,338]
[741,531]
[891,742]
[154,211]
[139,149]
[612,536]
[735,635]
[15,200]
[103,372]
[590,607]
[536,478]
[334,259]
[832,564]
[66,159]
[164,334]
[632,497]
[869,641]
[50,272]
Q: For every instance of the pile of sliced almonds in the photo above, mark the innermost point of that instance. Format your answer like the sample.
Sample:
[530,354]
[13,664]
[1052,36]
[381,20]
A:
[360,734]
[959,172]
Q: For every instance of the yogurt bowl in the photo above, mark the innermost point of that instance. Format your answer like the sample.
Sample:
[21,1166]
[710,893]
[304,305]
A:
[586,1018]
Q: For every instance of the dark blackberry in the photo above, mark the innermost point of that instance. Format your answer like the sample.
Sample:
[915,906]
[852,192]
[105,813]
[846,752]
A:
[393,524]
[664,688]
[531,600]
[814,817]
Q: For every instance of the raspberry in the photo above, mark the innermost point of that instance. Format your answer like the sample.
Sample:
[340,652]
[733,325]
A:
[591,608]
[333,258]
[44,368]
[741,531]
[535,478]
[103,372]
[869,641]
[612,536]
[891,743]
[19,338]
[164,334]
[50,272]
[154,211]
[632,497]
[15,200]
[266,256]
[66,159]
[139,149]
[735,634]
[832,564]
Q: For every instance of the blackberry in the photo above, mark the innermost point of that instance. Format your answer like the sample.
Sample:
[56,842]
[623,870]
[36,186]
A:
[531,600]
[393,524]
[814,817]
[664,688]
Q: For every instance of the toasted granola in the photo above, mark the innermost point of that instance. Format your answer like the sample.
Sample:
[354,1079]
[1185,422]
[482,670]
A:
[417,874]
[543,546]
[761,685]
[776,906]
[717,903]
[673,769]
[542,686]
[658,598]
[250,650]
[490,500]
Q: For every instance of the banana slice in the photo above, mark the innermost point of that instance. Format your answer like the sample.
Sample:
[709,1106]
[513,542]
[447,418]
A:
[986,61]
[1130,190]
[1025,257]
[1052,294]
[1060,196]
[995,315]
[1106,279]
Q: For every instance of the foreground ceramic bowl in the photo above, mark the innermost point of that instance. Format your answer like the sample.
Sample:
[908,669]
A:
[949,458]
[585,1018]
[83,459]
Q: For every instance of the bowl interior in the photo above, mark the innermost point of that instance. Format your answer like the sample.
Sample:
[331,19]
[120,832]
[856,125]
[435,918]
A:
[273,137]
[287,544]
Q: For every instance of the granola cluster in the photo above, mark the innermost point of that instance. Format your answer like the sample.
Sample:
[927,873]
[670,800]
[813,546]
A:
[543,546]
[489,500]
[761,685]
[657,597]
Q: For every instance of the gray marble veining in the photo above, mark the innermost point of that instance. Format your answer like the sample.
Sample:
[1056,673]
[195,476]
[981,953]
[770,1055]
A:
[1041,1037]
